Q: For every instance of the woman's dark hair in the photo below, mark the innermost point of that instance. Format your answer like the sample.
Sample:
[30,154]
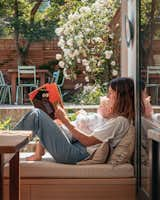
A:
[124,104]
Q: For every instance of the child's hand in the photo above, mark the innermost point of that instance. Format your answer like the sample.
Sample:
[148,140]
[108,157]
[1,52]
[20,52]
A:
[148,107]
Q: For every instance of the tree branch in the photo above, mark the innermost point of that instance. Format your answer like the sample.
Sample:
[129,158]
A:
[34,10]
[16,29]
[32,16]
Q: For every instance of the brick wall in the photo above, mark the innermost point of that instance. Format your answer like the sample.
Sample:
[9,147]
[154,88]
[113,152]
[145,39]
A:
[39,53]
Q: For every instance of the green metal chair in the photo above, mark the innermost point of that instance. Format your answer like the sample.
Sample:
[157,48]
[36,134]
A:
[58,80]
[25,72]
[5,90]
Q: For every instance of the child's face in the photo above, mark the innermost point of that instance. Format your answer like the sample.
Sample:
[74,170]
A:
[103,107]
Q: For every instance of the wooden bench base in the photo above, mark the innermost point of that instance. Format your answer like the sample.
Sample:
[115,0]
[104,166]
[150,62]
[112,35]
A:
[76,189]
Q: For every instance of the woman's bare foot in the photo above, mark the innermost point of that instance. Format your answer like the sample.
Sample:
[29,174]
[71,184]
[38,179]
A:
[34,157]
[39,152]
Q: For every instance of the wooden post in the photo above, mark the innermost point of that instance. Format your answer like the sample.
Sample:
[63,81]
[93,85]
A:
[14,178]
[1,176]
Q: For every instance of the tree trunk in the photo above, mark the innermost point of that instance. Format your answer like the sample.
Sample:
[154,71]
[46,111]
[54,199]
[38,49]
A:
[22,58]
[22,50]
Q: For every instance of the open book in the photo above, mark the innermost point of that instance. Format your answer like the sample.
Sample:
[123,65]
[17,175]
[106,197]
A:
[46,98]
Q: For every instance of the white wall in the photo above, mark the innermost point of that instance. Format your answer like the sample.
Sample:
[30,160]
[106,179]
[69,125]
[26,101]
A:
[128,55]
[124,49]
[132,47]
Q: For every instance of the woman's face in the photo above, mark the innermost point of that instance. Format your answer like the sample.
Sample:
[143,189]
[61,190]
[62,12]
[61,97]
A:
[111,95]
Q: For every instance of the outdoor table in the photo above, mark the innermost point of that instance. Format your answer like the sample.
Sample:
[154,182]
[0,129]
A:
[40,73]
[10,143]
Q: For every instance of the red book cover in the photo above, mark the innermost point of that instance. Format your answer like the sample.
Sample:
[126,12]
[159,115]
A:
[46,98]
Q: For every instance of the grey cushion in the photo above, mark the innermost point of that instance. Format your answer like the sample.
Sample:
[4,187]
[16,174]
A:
[99,156]
[47,168]
[124,150]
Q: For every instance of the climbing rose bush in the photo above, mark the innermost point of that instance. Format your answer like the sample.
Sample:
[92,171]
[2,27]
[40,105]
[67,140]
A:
[86,40]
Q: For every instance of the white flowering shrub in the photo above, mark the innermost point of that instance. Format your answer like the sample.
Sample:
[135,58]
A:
[86,42]
[89,94]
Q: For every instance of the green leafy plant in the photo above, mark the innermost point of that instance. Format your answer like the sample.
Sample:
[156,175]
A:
[5,124]
[72,116]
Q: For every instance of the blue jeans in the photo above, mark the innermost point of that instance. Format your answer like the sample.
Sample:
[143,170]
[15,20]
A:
[52,137]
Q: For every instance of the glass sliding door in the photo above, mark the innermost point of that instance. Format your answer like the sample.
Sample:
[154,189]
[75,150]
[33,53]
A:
[148,91]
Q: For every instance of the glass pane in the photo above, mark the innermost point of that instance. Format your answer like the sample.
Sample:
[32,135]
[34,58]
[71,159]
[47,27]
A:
[150,82]
[150,48]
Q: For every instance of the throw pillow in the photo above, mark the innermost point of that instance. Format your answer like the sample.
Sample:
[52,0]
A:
[98,157]
[124,150]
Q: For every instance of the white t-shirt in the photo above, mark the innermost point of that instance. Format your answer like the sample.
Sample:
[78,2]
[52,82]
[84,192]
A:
[93,124]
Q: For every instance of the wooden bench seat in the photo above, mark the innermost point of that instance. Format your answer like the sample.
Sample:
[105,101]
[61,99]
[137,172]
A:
[47,180]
